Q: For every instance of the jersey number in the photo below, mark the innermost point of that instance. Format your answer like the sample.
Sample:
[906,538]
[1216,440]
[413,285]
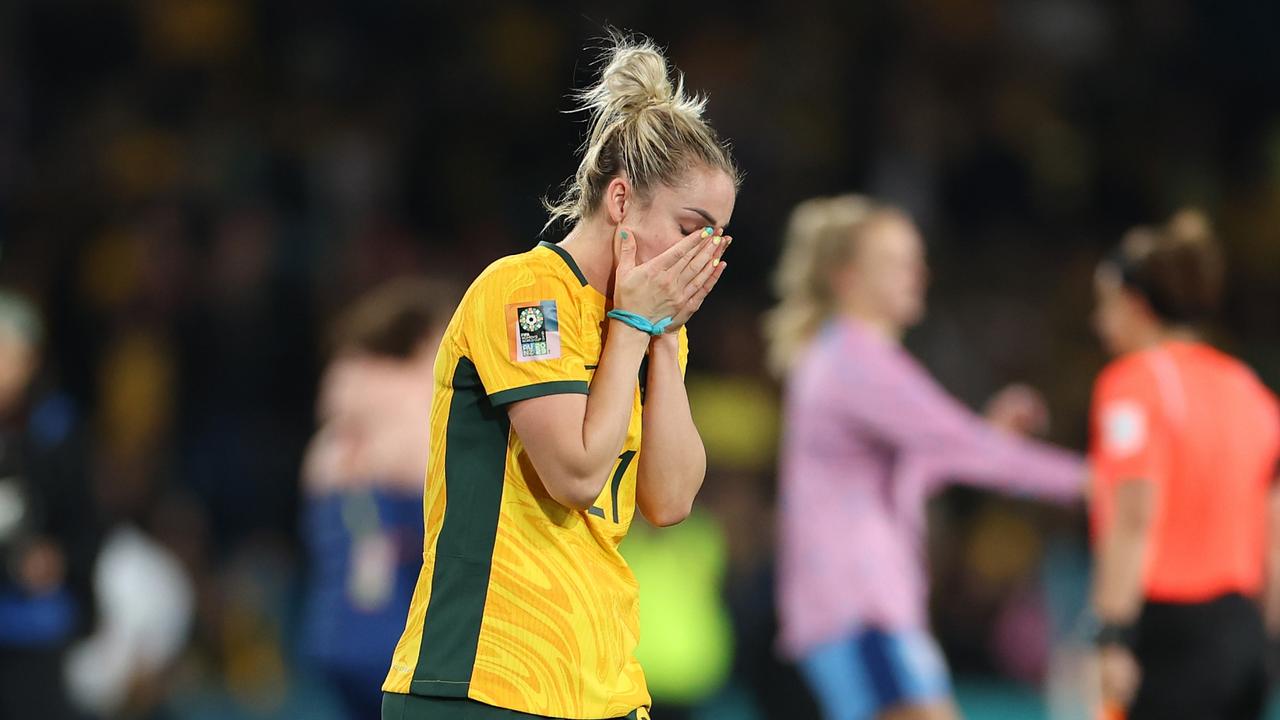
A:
[624,461]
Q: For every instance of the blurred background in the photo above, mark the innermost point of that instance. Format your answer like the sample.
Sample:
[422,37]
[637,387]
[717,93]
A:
[192,190]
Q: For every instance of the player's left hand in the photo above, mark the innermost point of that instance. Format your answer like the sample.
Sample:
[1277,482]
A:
[711,268]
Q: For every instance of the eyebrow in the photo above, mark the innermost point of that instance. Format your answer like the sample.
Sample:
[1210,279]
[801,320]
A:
[705,216]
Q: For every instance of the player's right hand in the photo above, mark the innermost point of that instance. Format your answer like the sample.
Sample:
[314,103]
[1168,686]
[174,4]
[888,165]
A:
[711,268]
[662,286]
[1019,409]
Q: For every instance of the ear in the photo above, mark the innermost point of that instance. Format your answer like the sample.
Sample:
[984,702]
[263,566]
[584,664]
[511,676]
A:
[617,199]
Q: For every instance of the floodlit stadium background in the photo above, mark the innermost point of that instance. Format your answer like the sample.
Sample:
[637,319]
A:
[190,190]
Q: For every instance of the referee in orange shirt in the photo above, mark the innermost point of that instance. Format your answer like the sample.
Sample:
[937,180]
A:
[1185,442]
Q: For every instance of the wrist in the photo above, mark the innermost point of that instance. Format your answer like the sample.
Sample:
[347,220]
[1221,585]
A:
[628,334]
[1115,634]
[666,342]
[640,322]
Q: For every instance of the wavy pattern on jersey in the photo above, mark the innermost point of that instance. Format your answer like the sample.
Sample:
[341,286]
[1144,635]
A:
[399,678]
[561,619]
[560,610]
[433,497]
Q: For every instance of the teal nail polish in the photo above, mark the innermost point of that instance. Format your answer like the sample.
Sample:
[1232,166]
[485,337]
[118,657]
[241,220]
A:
[624,234]
[706,231]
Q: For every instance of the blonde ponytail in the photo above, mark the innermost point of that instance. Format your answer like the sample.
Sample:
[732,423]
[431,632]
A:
[819,239]
[641,126]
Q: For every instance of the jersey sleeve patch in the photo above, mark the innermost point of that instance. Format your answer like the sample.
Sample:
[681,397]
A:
[533,331]
[1124,428]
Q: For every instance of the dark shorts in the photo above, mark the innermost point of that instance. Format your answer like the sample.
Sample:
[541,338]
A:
[396,706]
[1205,661]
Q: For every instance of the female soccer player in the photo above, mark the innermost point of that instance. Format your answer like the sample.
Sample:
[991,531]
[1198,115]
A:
[869,435]
[559,410]
[1185,442]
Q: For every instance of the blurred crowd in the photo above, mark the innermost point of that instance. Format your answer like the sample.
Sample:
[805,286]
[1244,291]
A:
[192,192]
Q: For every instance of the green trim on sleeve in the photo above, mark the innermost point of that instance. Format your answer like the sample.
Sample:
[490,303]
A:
[554,387]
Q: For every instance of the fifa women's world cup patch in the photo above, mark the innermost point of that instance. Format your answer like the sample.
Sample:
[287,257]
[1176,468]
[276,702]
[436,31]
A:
[1124,428]
[534,331]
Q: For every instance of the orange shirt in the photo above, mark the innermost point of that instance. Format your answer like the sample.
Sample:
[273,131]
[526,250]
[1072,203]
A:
[1202,427]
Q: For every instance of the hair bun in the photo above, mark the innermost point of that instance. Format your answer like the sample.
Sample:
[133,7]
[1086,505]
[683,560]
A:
[640,124]
[1177,267]
[636,78]
[1190,226]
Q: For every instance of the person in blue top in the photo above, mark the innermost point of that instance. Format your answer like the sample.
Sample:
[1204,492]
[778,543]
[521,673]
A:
[363,473]
[49,528]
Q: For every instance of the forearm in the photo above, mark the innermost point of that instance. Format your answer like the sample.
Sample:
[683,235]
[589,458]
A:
[608,409]
[944,441]
[1001,461]
[672,461]
[1118,588]
[1271,594]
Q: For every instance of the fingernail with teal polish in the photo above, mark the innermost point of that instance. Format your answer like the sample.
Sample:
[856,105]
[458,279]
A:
[624,234]
[706,232]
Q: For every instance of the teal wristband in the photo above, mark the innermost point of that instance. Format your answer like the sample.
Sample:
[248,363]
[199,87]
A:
[640,322]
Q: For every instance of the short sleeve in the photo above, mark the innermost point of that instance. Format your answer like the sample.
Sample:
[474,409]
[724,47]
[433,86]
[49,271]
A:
[523,335]
[1128,434]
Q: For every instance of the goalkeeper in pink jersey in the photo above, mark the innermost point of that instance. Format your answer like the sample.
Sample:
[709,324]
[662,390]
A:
[869,436]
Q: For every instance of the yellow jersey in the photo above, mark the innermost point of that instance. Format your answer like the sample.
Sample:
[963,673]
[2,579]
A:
[522,603]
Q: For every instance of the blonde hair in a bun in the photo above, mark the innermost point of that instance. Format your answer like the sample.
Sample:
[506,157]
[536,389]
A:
[642,125]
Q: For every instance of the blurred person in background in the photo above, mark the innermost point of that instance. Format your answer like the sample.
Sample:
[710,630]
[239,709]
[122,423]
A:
[707,620]
[363,474]
[146,605]
[48,525]
[686,633]
[524,606]
[1185,444]
[868,437]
